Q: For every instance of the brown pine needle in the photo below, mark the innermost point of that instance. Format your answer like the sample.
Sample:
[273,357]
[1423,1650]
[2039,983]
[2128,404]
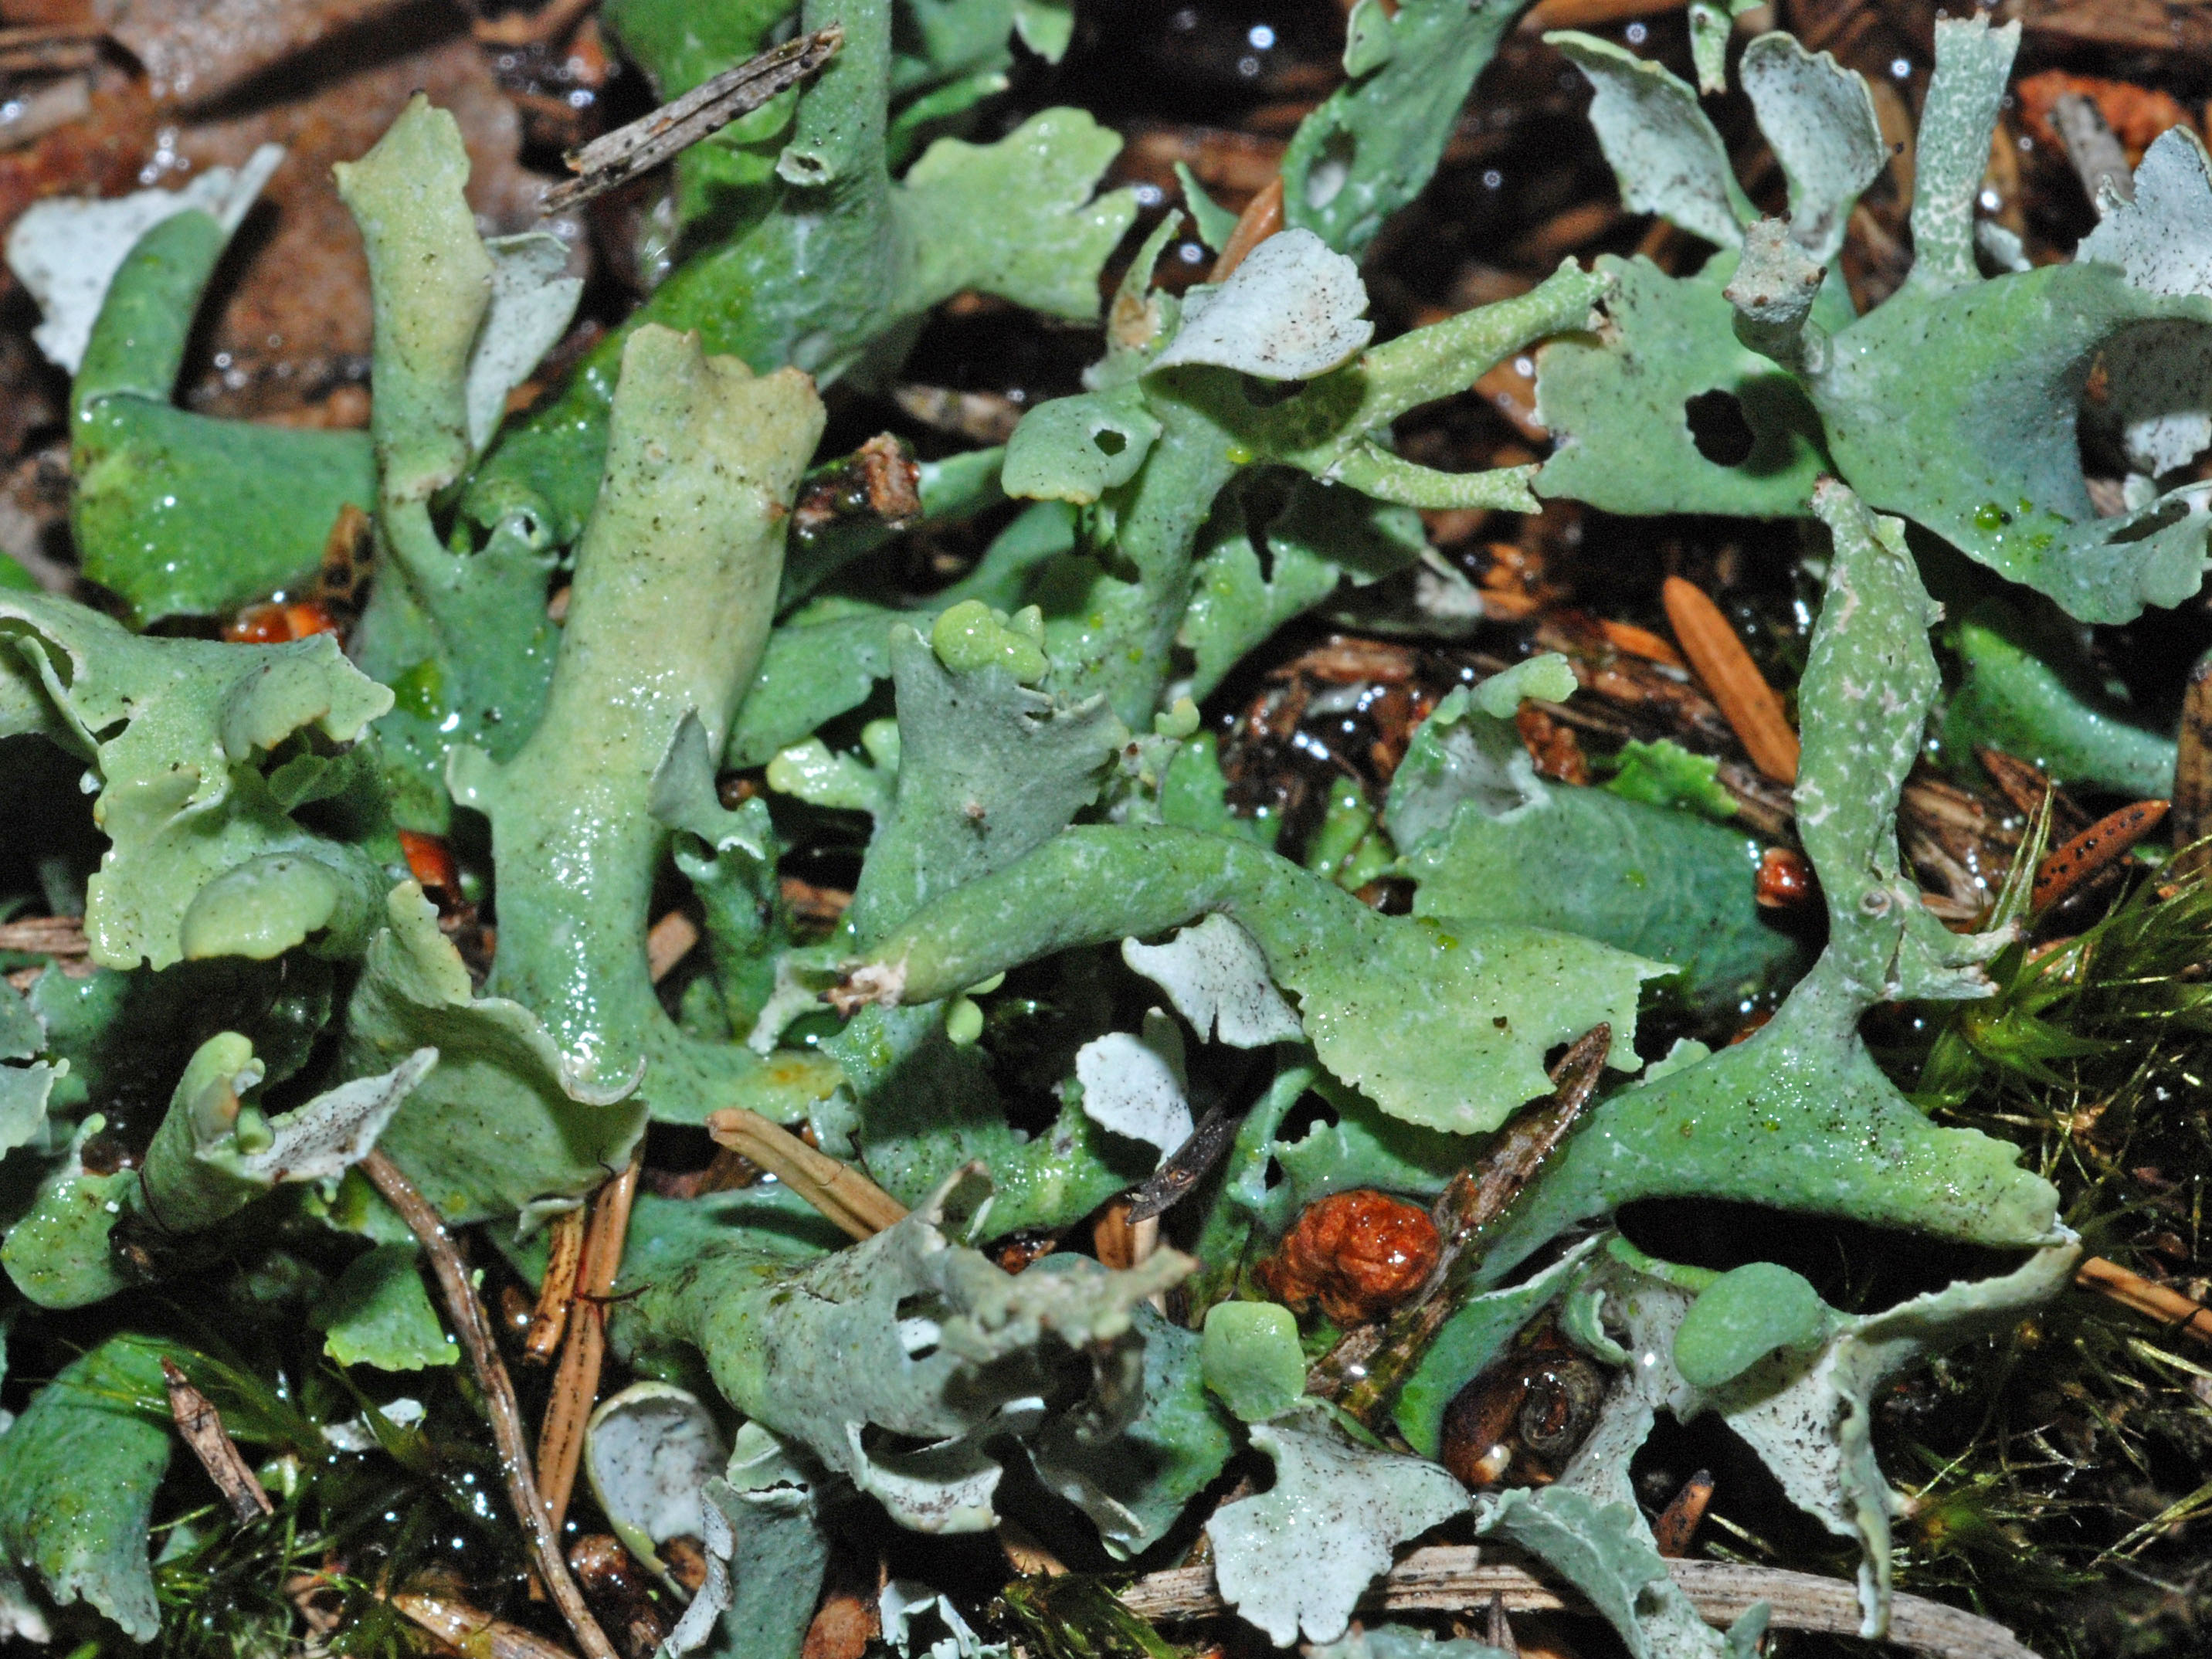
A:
[1262,218]
[201,1425]
[557,1291]
[1746,701]
[2102,844]
[576,1384]
[667,943]
[840,1191]
[1678,1522]
[474,1328]
[2131,1290]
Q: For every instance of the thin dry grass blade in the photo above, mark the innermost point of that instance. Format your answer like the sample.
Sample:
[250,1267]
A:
[840,1191]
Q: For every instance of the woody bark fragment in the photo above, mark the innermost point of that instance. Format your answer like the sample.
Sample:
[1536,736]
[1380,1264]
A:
[645,143]
[557,1291]
[201,1425]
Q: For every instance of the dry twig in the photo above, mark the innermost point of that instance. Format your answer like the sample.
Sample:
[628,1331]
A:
[2131,1290]
[201,1425]
[557,1291]
[1370,1363]
[1678,1522]
[46,936]
[646,142]
[2192,773]
[576,1384]
[472,1630]
[1186,1166]
[2099,160]
[474,1329]
[667,942]
[1262,218]
[840,1191]
[1459,1577]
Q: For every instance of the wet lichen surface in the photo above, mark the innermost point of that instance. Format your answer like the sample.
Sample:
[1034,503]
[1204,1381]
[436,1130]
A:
[1138,823]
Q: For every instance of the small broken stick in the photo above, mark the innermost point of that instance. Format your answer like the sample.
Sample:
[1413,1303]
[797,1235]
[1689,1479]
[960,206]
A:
[474,1329]
[2192,775]
[557,1291]
[1186,1166]
[840,1191]
[1678,1522]
[2131,1290]
[201,1425]
[1366,1370]
[576,1383]
[1732,679]
[646,142]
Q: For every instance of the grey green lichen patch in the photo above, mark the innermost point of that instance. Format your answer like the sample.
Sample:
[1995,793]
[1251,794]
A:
[1954,402]
[1063,948]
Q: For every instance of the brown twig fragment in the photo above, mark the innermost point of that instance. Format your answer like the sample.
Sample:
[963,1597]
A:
[527,29]
[1460,1577]
[474,1329]
[2104,842]
[1475,1198]
[646,142]
[2027,788]
[201,1425]
[1262,218]
[840,1191]
[1186,1166]
[576,1384]
[2192,773]
[1499,1628]
[667,942]
[2099,160]
[1590,14]
[1678,1522]
[472,1630]
[557,1291]
[2131,1290]
[1746,701]
[46,936]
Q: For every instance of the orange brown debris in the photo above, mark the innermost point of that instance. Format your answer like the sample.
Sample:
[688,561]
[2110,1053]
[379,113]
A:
[2103,843]
[1262,218]
[1358,1254]
[1720,662]
[1553,745]
[430,861]
[1785,880]
[2136,114]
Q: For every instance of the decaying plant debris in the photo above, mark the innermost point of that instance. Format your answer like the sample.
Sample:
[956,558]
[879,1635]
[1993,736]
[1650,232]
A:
[1378,828]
